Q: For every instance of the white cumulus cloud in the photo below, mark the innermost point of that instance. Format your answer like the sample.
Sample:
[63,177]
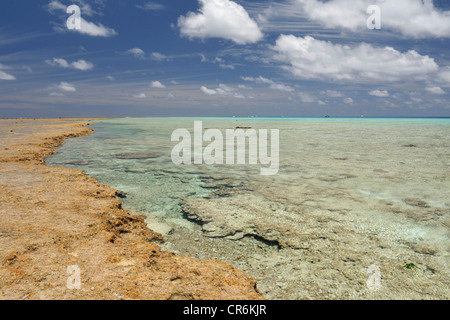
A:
[139,95]
[308,58]
[348,100]
[208,92]
[82,65]
[435,90]
[78,65]
[411,18]
[220,19]
[157,84]
[95,30]
[67,87]
[137,52]
[222,90]
[158,56]
[6,76]
[379,93]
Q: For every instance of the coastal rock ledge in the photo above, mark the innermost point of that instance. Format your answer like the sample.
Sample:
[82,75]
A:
[52,218]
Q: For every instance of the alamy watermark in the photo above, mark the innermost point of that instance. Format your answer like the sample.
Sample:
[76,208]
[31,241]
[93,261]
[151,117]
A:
[190,149]
[74,21]
[374,20]
[74,280]
[374,280]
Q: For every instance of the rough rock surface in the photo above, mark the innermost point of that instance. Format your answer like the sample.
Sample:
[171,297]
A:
[54,217]
[299,247]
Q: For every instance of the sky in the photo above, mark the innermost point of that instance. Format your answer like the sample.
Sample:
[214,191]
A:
[202,58]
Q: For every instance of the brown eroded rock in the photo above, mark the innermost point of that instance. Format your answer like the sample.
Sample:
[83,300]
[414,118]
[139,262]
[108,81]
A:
[52,218]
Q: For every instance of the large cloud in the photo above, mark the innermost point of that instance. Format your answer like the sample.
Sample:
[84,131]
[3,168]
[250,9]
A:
[220,19]
[412,18]
[309,58]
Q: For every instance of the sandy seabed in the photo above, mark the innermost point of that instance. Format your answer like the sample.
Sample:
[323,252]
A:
[52,218]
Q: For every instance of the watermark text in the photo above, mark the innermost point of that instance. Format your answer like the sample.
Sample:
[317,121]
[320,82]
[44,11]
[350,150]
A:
[74,21]
[190,149]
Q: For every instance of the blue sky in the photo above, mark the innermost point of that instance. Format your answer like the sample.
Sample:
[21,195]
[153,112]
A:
[224,58]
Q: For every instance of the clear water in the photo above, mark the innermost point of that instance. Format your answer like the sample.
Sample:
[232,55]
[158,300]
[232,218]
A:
[345,187]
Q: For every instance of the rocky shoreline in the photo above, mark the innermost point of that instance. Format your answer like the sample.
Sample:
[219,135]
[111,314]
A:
[54,217]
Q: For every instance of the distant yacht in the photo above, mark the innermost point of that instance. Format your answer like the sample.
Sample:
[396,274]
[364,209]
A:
[327,116]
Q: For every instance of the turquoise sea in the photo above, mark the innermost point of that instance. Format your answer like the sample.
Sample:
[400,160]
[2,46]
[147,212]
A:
[350,193]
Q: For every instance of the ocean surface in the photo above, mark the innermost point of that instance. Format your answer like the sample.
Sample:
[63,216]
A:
[359,207]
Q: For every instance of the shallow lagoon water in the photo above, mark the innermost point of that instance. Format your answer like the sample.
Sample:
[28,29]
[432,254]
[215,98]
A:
[350,193]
